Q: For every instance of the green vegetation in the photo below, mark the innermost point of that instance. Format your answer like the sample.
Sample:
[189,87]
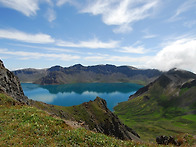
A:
[22,125]
[158,113]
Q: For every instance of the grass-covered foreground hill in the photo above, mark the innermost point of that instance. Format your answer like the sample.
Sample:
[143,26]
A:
[167,106]
[23,125]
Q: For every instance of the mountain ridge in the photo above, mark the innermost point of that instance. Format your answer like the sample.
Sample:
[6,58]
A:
[87,74]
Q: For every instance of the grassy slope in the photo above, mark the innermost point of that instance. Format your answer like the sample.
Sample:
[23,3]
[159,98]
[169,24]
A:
[158,115]
[22,125]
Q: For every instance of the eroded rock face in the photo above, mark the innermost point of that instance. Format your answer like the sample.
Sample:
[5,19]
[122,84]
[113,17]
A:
[10,84]
[102,120]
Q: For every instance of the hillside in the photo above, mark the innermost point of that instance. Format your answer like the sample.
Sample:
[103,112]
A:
[87,74]
[30,115]
[166,106]
[23,125]
[25,122]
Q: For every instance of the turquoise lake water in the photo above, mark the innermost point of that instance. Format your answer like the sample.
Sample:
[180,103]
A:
[75,94]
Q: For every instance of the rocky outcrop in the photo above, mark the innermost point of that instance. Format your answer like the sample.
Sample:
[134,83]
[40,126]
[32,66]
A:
[102,120]
[10,84]
[165,140]
[92,115]
[111,125]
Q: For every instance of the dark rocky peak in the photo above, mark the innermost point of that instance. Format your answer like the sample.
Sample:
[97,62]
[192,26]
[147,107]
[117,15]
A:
[104,121]
[1,64]
[101,103]
[130,67]
[110,66]
[56,68]
[10,85]
[179,77]
[76,67]
[183,74]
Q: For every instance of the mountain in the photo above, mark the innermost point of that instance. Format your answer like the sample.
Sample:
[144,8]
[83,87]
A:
[87,74]
[166,106]
[10,84]
[93,115]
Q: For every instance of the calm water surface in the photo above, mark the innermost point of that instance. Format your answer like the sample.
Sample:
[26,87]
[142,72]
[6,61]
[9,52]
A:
[75,94]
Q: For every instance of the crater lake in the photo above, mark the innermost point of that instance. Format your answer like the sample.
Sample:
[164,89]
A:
[75,94]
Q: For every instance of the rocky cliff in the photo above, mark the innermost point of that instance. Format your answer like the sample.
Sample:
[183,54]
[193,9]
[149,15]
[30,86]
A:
[10,84]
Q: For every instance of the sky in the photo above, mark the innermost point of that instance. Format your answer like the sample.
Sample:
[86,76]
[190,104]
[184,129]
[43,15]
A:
[141,33]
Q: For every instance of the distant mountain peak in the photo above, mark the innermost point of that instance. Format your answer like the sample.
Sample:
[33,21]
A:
[180,74]
[78,65]
[55,68]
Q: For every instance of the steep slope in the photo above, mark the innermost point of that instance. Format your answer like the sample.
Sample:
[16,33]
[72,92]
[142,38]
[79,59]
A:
[166,106]
[87,74]
[95,115]
[10,84]
[30,75]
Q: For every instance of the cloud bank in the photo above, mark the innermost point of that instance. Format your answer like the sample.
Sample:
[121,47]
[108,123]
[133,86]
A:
[27,7]
[180,54]
[25,37]
[93,44]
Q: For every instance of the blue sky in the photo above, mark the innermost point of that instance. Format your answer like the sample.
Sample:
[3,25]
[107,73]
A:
[141,33]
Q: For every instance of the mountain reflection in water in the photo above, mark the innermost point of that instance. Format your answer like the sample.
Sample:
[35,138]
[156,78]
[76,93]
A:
[75,94]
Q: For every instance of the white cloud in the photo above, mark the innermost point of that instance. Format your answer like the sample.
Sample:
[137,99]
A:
[95,43]
[125,28]
[36,55]
[50,14]
[118,59]
[24,37]
[148,34]
[131,49]
[50,49]
[186,6]
[27,7]
[62,2]
[180,54]
[121,13]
